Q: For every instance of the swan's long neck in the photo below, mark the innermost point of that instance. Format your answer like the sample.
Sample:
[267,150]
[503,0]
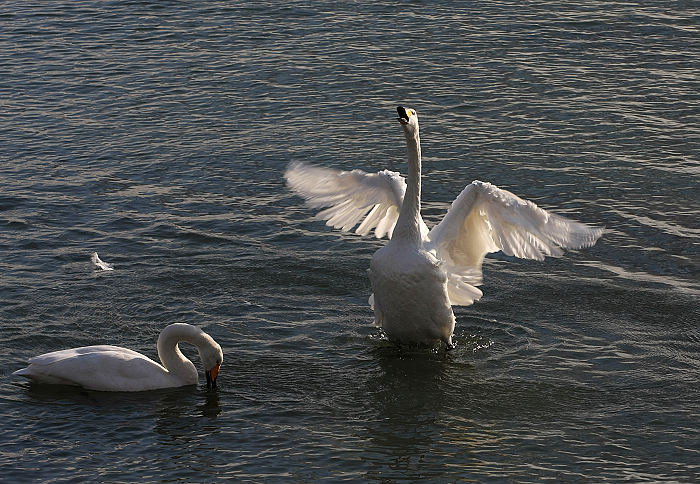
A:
[408,224]
[169,352]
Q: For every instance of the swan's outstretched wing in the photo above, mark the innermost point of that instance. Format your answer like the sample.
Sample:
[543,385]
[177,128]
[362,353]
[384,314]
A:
[486,219]
[350,196]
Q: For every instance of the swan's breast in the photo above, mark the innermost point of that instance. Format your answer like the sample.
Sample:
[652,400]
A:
[411,265]
[410,295]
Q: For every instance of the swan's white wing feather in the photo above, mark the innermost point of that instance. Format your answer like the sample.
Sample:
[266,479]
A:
[56,356]
[485,218]
[349,198]
[101,367]
[100,263]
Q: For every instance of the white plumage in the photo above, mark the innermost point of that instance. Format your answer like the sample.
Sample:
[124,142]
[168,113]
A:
[99,263]
[112,368]
[421,273]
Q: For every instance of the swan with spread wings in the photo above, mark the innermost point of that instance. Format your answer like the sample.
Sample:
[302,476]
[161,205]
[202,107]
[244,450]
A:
[420,274]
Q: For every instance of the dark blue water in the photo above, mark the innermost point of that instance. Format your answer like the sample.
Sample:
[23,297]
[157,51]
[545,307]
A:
[156,133]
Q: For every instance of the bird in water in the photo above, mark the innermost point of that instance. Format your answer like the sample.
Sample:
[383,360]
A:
[112,368]
[420,274]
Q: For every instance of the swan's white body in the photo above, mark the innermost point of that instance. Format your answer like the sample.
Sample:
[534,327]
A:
[410,300]
[112,368]
[421,273]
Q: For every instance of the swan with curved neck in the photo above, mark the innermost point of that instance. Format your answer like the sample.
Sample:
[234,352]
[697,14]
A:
[420,274]
[112,368]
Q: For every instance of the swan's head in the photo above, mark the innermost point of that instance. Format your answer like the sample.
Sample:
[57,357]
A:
[408,119]
[212,357]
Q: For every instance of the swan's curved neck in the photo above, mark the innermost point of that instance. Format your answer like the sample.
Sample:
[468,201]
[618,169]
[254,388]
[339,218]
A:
[169,352]
[408,224]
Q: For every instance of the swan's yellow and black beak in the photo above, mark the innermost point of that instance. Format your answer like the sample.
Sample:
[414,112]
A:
[211,376]
[403,114]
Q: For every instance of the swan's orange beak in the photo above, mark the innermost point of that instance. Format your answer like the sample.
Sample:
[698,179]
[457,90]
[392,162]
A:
[211,376]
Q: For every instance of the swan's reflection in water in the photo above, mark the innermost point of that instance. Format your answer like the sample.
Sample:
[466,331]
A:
[177,415]
[193,400]
[123,427]
[414,392]
[211,407]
